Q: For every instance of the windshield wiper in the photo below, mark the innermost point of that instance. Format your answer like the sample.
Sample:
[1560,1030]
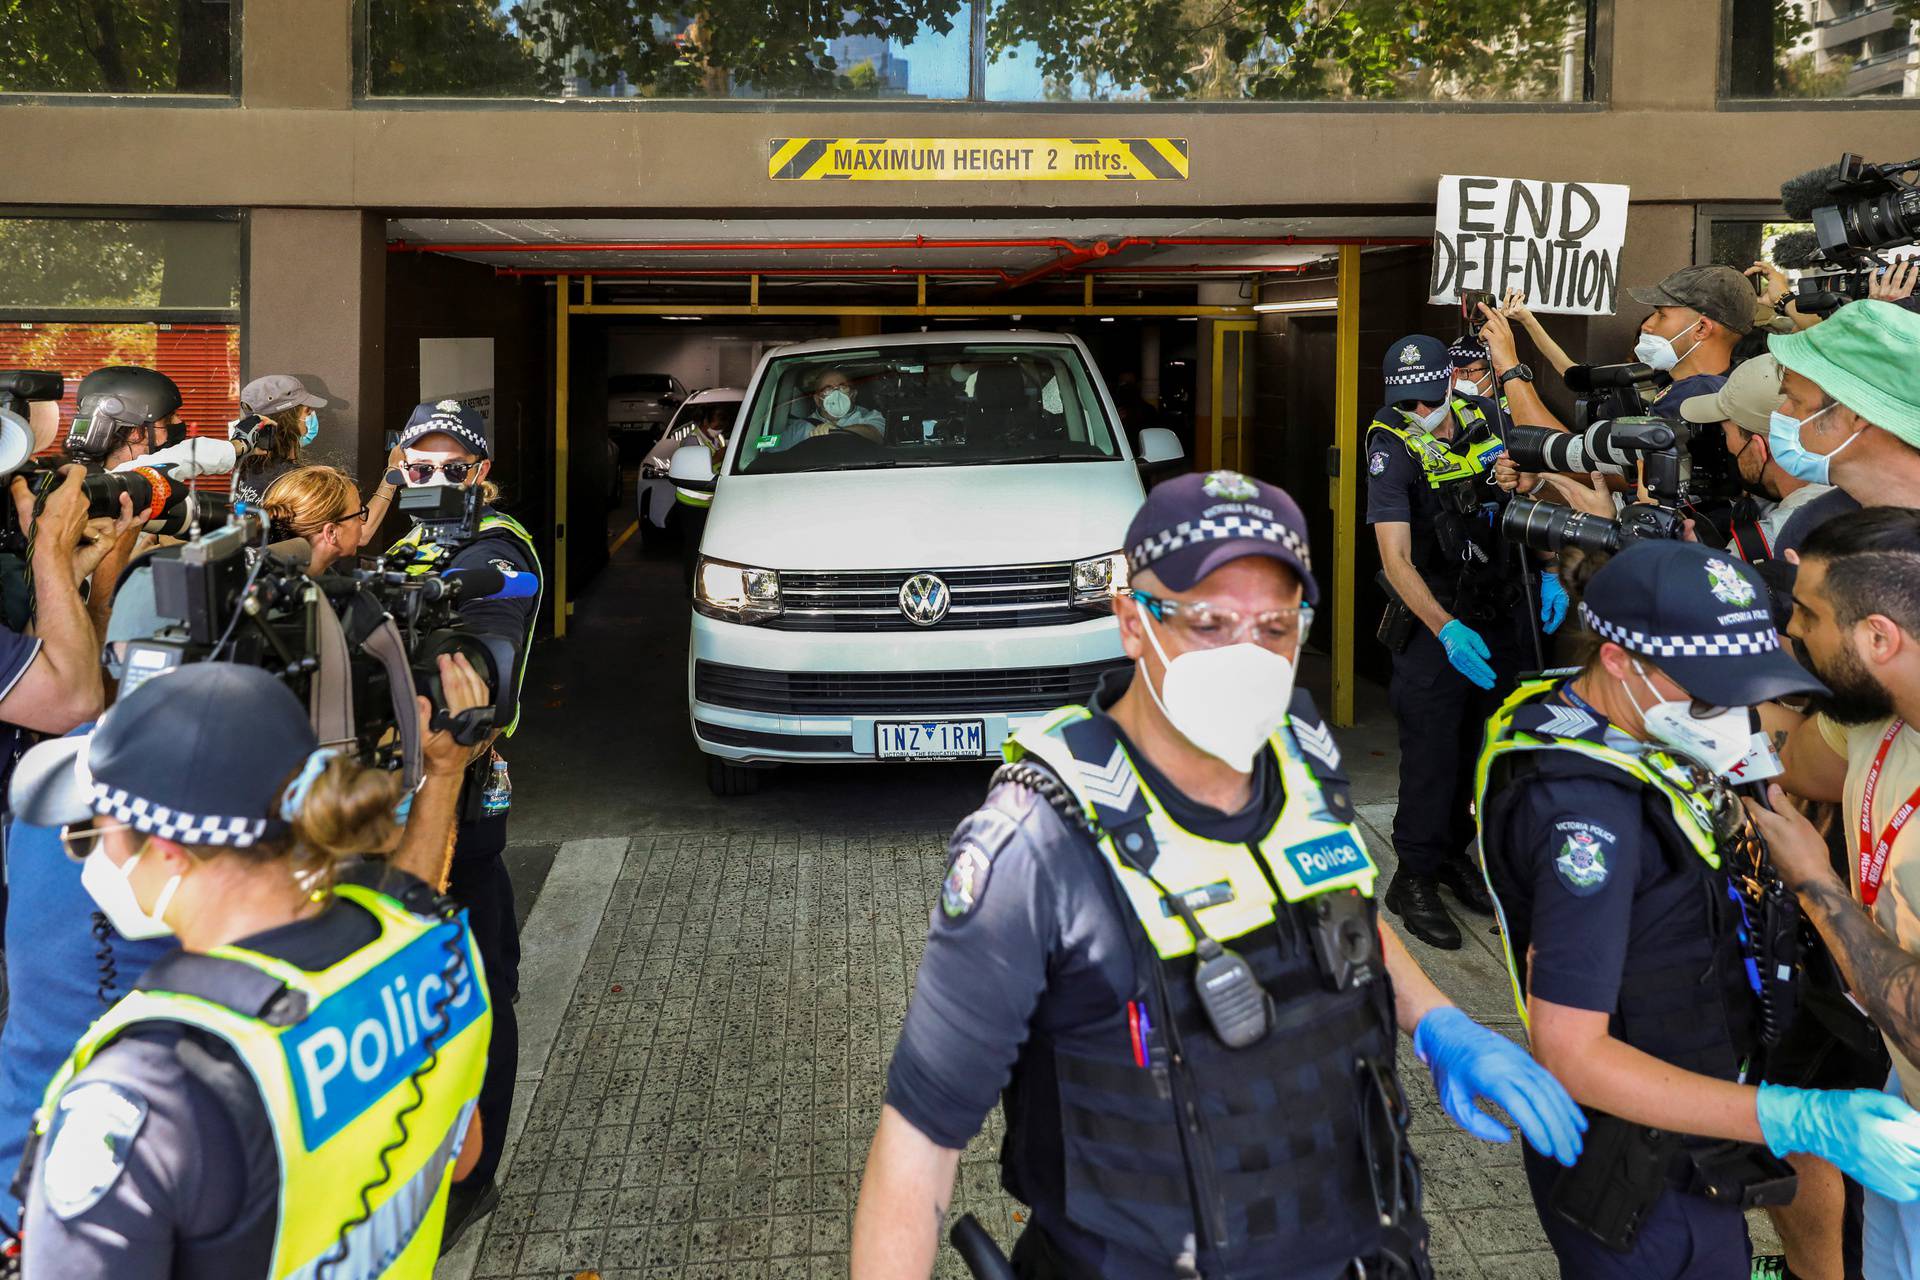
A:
[872,464]
[1051,457]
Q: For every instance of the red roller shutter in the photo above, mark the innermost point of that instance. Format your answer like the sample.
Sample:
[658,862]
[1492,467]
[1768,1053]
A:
[202,359]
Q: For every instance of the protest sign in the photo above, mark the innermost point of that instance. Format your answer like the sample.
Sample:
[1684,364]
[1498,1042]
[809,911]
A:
[1559,242]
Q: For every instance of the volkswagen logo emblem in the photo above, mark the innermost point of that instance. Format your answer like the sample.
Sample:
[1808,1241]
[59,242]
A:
[924,599]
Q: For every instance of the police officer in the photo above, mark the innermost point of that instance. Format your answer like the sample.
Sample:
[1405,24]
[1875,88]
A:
[1625,877]
[1158,937]
[445,444]
[298,1080]
[1458,625]
[715,419]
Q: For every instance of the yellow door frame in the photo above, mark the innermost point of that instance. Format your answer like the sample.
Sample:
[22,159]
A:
[1345,498]
[562,364]
[1235,332]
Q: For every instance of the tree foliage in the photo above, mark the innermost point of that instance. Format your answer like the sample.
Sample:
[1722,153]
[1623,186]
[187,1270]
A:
[115,46]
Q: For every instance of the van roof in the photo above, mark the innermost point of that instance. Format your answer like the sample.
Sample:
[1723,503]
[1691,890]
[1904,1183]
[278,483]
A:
[1028,336]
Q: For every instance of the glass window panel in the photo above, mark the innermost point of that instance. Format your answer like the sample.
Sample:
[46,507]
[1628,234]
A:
[117,46]
[1824,49]
[1284,50]
[635,49]
[76,264]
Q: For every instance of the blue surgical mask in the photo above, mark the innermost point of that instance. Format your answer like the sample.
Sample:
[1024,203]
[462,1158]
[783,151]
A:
[1794,458]
[309,428]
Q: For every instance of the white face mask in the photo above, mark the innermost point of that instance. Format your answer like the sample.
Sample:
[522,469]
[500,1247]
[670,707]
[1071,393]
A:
[1657,352]
[836,403]
[1429,421]
[1717,743]
[1468,387]
[111,888]
[1226,701]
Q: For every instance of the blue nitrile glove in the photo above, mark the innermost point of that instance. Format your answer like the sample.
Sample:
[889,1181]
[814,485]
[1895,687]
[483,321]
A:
[1469,1063]
[1467,652]
[1553,602]
[1872,1137]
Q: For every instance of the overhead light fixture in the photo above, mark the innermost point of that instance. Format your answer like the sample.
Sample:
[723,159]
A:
[1106,319]
[679,317]
[1299,304]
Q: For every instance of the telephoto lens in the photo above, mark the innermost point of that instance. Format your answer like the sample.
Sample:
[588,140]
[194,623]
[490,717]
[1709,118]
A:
[1544,449]
[1549,526]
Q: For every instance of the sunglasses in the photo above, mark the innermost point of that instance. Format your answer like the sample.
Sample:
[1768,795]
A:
[79,839]
[422,472]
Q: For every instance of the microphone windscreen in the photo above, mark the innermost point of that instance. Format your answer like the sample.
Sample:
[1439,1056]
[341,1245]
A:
[1795,250]
[1802,195]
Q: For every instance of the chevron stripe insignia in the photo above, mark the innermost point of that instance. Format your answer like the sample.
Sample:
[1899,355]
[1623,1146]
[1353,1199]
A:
[1113,785]
[1317,741]
[1566,722]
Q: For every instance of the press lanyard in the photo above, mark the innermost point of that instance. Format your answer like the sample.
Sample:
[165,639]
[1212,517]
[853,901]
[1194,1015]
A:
[1873,857]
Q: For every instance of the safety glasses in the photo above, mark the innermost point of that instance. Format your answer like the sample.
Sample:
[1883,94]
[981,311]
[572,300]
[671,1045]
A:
[78,839]
[1202,625]
[422,472]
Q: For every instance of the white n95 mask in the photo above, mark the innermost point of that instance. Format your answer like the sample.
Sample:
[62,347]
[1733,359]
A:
[1226,701]
[111,888]
[836,403]
[1717,742]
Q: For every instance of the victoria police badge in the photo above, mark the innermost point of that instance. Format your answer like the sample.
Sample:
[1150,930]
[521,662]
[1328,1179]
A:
[1582,860]
[1727,584]
[966,881]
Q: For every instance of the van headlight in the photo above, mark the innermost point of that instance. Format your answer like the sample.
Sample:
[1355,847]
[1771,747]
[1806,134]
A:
[735,592]
[1098,580]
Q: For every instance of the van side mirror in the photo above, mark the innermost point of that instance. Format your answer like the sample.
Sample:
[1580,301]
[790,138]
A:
[692,468]
[1158,445]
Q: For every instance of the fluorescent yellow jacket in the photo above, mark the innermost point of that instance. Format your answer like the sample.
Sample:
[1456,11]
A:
[332,1054]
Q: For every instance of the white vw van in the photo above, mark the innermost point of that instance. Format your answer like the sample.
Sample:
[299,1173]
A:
[913,548]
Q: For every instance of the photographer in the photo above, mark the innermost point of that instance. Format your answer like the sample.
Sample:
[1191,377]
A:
[287,422]
[1699,315]
[206,1125]
[1850,414]
[1744,408]
[444,444]
[1456,624]
[322,506]
[125,412]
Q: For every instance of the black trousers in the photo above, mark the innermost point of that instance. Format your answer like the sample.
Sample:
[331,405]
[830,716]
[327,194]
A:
[1683,1238]
[1442,716]
[480,884]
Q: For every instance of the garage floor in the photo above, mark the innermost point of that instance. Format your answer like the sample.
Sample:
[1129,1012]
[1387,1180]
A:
[713,988]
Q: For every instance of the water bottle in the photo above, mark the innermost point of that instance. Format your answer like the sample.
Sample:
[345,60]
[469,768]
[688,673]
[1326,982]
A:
[498,796]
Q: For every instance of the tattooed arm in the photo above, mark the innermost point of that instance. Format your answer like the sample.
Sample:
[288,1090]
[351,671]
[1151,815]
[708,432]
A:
[904,1195]
[1882,976]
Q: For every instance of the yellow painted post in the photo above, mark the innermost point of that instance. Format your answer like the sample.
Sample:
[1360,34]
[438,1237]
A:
[1224,332]
[563,300]
[753,294]
[1346,485]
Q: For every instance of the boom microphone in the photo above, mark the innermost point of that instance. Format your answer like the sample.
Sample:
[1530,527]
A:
[1797,250]
[1802,195]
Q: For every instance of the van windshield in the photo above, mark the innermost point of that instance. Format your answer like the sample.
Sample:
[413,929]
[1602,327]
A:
[937,404]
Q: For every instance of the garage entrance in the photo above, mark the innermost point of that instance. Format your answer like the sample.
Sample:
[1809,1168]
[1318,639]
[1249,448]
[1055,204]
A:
[1243,336]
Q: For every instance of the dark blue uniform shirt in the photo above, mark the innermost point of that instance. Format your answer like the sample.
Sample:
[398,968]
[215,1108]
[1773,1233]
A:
[1049,943]
[1582,881]
[1667,402]
[1397,490]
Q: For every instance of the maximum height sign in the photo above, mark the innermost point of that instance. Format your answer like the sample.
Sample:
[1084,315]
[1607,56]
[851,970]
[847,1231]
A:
[1558,241]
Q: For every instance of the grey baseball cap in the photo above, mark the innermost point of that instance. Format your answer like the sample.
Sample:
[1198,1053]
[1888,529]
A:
[1721,294]
[277,391]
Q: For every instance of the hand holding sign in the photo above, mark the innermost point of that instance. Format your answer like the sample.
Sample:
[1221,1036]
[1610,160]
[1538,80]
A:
[1558,242]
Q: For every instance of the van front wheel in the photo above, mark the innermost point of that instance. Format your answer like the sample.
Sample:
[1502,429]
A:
[725,778]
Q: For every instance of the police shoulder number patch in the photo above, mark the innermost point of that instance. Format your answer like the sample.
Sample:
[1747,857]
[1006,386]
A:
[1583,858]
[88,1140]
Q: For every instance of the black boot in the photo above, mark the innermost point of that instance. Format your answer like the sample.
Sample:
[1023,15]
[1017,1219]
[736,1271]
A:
[1416,900]
[1468,888]
[467,1205]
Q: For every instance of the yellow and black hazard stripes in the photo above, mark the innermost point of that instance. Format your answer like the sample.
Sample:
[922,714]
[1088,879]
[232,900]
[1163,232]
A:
[977,159]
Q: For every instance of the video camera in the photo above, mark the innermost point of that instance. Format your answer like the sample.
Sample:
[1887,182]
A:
[1654,448]
[356,646]
[1857,209]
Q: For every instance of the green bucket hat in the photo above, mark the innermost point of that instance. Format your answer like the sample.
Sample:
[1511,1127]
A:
[1864,357]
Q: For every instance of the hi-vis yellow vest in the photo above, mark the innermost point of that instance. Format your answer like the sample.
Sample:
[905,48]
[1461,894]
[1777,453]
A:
[1440,464]
[1309,851]
[334,1083]
[427,556]
[1674,780]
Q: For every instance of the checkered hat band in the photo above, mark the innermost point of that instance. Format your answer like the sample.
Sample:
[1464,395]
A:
[171,824]
[450,424]
[1191,533]
[1726,645]
[1408,378]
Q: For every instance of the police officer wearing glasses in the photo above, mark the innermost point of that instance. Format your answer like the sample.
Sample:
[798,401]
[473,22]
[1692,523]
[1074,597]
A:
[1157,944]
[1647,957]
[446,445]
[1456,623]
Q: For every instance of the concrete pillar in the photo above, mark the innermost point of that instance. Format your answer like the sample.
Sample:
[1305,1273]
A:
[316,308]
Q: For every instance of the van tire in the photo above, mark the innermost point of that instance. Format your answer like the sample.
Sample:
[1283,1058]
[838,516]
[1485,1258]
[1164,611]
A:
[725,778]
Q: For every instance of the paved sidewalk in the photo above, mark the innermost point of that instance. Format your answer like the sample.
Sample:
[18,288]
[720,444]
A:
[717,1073]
